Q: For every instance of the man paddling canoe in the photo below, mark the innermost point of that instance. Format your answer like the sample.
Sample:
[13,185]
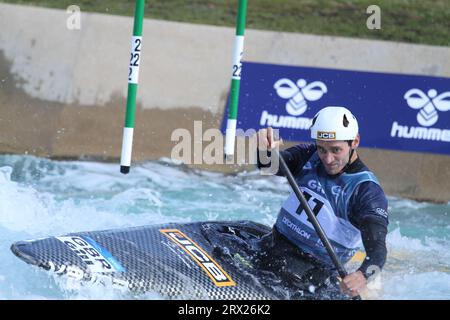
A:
[344,195]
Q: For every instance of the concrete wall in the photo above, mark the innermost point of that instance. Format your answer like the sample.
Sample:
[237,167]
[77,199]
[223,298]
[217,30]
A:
[63,92]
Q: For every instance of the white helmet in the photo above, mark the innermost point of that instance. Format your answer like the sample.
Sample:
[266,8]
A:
[334,123]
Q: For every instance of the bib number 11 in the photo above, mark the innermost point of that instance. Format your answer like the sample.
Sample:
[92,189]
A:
[315,209]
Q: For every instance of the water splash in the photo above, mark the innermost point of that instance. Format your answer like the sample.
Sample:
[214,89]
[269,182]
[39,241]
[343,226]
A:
[40,197]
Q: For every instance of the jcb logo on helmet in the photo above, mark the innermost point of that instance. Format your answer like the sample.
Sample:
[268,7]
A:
[326,135]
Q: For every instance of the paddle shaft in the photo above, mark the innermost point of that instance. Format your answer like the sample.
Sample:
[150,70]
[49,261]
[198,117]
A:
[312,218]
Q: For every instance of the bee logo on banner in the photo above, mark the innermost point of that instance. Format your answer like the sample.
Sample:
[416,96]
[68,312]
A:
[394,111]
[428,105]
[281,97]
[299,93]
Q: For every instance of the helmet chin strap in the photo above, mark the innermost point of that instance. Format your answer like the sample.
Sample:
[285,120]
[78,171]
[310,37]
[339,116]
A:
[349,160]
[346,166]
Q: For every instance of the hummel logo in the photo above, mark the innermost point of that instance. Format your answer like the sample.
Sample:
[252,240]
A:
[299,93]
[428,104]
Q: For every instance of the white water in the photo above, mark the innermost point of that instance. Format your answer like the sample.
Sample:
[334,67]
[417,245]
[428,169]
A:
[41,198]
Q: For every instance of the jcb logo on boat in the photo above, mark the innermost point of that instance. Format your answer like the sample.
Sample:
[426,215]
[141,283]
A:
[326,135]
[214,271]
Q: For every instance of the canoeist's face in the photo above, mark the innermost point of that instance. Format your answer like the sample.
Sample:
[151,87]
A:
[334,154]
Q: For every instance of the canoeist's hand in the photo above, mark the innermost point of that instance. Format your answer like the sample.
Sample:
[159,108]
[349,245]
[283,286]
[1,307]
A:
[266,140]
[354,283]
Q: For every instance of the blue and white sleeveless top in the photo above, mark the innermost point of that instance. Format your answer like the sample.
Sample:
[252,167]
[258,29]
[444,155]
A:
[329,199]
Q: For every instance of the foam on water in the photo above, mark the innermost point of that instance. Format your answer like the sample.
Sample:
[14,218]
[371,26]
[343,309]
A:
[40,198]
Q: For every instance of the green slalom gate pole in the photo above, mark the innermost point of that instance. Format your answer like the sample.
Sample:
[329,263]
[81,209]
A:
[238,52]
[133,77]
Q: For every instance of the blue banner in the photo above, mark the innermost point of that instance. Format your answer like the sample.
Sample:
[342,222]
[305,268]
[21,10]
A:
[394,111]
